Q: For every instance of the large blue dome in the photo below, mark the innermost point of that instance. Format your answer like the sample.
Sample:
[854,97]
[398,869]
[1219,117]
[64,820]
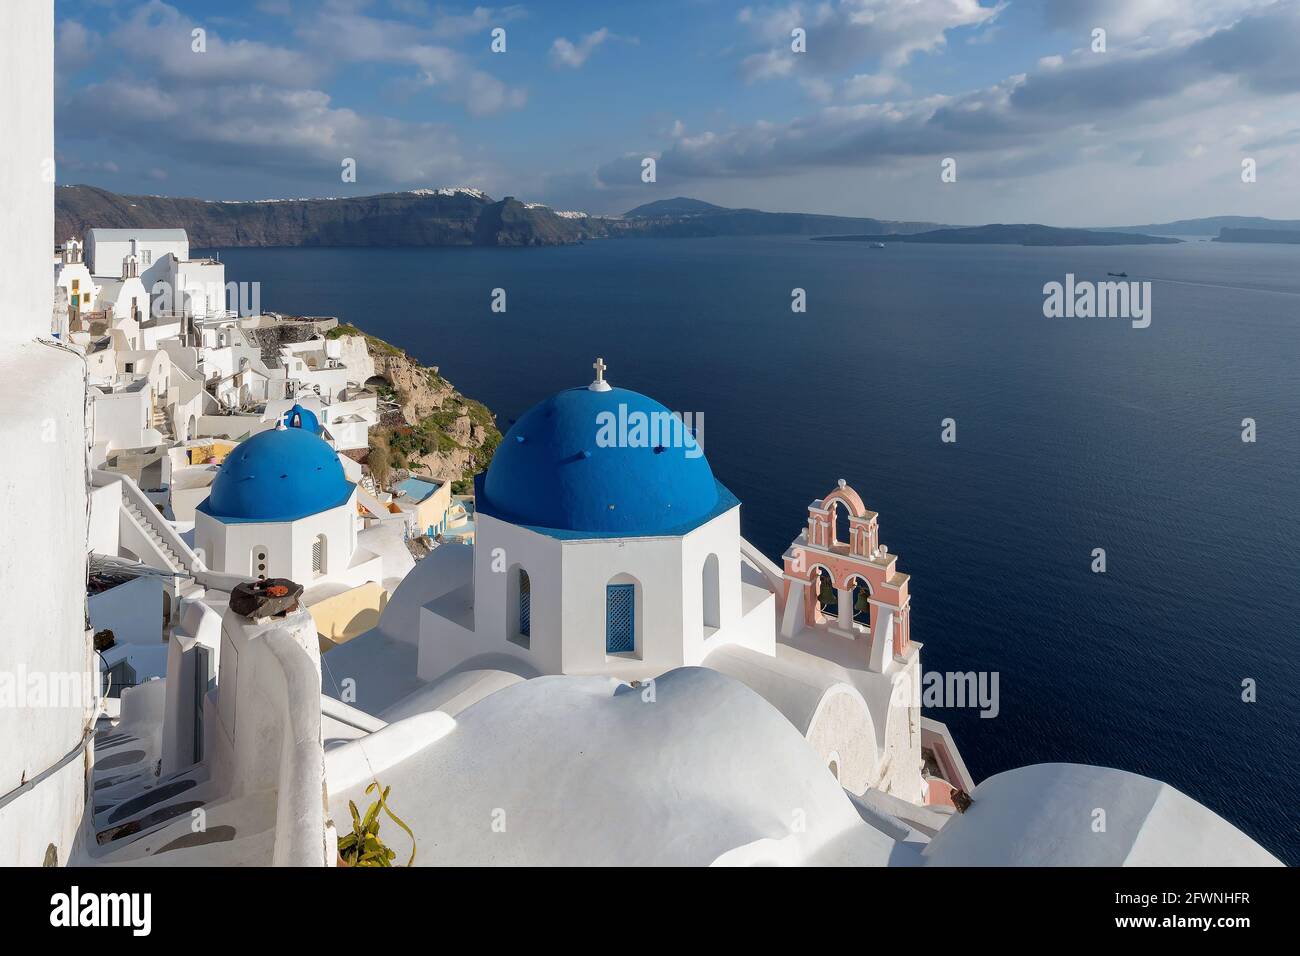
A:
[577,465]
[278,475]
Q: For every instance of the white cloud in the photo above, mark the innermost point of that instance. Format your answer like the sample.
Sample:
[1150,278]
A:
[1144,109]
[350,37]
[296,134]
[567,53]
[1154,21]
[479,20]
[846,34]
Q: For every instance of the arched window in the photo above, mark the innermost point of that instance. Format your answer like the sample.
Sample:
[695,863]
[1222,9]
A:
[319,554]
[525,605]
[258,562]
[520,628]
[828,597]
[709,593]
[840,523]
[861,591]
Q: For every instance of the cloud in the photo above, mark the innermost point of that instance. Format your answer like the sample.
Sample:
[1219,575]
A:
[1155,21]
[292,134]
[160,38]
[75,44]
[1085,108]
[843,35]
[257,109]
[351,37]
[566,53]
[479,20]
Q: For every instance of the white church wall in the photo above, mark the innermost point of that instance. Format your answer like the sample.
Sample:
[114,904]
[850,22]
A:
[900,724]
[654,565]
[43,542]
[500,550]
[842,733]
[229,547]
[719,537]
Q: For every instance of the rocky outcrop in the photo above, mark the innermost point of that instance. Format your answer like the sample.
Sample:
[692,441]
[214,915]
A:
[429,428]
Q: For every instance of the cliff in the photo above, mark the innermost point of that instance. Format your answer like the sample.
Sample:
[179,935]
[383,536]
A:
[427,426]
[446,217]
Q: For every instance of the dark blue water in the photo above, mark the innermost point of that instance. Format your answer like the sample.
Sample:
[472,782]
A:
[1073,434]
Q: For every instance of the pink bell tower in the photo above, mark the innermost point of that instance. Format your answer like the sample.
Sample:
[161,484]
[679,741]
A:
[849,588]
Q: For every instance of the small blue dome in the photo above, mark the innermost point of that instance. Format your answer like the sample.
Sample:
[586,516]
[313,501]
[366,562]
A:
[299,417]
[578,465]
[278,475]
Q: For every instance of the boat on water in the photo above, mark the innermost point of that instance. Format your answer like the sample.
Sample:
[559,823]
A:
[1118,275]
[876,245]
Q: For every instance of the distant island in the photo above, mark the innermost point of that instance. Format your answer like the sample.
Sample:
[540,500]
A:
[1023,234]
[692,218]
[1284,236]
[1208,226]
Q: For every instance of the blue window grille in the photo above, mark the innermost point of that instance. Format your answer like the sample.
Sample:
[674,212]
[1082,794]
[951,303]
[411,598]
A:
[525,605]
[620,618]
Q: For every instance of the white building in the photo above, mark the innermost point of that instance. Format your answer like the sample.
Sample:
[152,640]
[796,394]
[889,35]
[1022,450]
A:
[106,248]
[73,276]
[193,288]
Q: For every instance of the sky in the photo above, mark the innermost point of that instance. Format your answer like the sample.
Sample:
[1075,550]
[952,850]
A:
[1044,119]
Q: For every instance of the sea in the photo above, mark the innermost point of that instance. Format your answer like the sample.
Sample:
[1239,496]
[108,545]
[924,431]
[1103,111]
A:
[1180,660]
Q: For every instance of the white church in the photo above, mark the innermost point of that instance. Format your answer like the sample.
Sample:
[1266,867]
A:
[602,551]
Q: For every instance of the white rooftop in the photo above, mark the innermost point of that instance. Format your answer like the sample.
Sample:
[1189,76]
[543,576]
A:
[177,235]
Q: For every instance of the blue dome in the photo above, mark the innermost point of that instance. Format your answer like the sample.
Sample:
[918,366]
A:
[578,464]
[299,417]
[278,475]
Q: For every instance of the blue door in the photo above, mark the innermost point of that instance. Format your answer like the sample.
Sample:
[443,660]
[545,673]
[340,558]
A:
[620,618]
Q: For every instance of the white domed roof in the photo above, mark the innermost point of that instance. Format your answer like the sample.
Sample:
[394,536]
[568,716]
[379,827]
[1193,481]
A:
[1043,815]
[585,771]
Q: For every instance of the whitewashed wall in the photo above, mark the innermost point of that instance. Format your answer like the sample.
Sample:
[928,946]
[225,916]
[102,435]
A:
[42,473]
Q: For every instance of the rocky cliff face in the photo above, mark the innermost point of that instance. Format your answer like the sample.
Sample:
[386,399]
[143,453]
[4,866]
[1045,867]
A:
[428,428]
[424,218]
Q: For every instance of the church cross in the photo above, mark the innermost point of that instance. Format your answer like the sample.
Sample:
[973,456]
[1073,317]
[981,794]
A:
[600,366]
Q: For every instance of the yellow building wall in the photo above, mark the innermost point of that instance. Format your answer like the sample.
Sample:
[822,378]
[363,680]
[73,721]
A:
[343,616]
[433,509]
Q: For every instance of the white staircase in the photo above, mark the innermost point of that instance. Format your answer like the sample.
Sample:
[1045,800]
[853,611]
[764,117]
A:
[146,532]
[173,560]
